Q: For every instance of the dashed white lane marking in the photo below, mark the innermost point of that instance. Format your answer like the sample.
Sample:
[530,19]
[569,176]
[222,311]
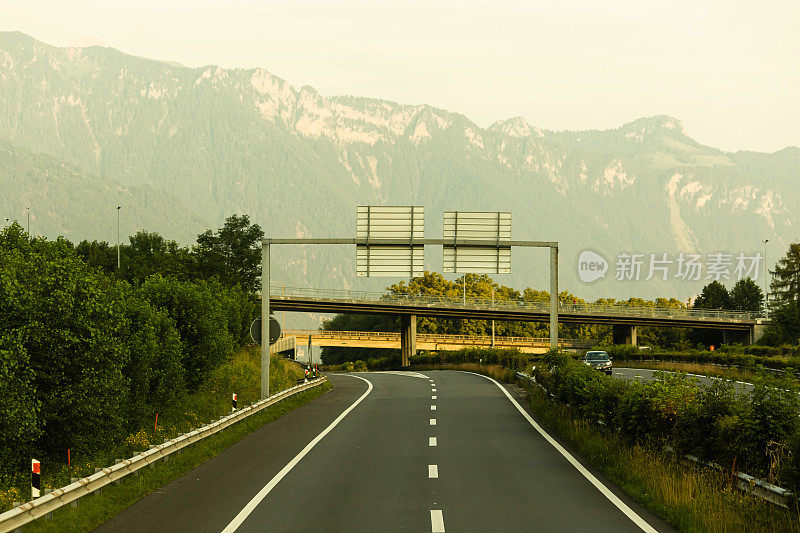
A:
[433,390]
[433,471]
[433,421]
[430,380]
[432,441]
[433,397]
[258,498]
[613,498]
[437,521]
[433,407]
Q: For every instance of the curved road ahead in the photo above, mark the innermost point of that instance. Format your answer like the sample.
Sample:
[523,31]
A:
[432,451]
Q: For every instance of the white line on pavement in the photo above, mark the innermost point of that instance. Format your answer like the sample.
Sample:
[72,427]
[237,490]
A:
[437,521]
[613,498]
[432,441]
[433,407]
[433,471]
[433,397]
[433,390]
[433,421]
[258,498]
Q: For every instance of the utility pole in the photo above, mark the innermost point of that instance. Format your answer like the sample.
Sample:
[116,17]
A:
[118,258]
[766,287]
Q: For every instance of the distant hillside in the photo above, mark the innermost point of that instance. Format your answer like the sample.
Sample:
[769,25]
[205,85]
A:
[207,142]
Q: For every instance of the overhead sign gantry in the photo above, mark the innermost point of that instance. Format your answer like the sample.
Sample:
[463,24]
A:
[390,242]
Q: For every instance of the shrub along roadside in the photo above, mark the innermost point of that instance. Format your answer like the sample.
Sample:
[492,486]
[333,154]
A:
[240,375]
[754,434]
[690,498]
[86,359]
[97,509]
[510,358]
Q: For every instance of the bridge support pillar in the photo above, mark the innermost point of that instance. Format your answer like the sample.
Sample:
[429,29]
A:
[408,339]
[623,334]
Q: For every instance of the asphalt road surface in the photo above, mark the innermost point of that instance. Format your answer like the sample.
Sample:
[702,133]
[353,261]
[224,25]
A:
[396,451]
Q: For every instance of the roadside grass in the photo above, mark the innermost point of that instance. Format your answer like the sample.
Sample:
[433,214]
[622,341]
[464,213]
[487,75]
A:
[96,509]
[240,375]
[690,498]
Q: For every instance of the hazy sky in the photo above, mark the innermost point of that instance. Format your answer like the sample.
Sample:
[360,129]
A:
[728,69]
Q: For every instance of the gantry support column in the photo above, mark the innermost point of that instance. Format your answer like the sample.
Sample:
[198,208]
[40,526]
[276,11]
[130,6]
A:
[554,297]
[408,339]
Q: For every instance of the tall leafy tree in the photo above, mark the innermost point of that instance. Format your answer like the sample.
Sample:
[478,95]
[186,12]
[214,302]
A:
[713,296]
[149,253]
[746,295]
[785,283]
[232,254]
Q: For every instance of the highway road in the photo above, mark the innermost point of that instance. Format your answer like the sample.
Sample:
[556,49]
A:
[397,451]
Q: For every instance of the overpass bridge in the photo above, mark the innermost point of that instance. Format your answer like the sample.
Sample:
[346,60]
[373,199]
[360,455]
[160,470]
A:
[737,326]
[425,341]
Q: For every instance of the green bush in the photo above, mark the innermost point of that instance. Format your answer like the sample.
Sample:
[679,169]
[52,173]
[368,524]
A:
[86,359]
[199,315]
[758,434]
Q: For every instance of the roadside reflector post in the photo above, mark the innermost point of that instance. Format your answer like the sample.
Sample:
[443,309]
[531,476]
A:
[233,401]
[36,482]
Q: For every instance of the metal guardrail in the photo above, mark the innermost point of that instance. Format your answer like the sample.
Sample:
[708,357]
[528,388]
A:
[515,305]
[30,511]
[437,337]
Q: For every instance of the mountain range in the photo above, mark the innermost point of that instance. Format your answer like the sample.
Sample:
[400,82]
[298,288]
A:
[83,130]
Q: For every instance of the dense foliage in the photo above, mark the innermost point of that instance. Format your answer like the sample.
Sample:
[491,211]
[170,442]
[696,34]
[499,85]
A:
[86,357]
[755,433]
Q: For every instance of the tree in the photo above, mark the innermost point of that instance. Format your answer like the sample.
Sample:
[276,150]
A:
[149,253]
[746,295]
[232,254]
[98,254]
[713,296]
[785,283]
[784,325]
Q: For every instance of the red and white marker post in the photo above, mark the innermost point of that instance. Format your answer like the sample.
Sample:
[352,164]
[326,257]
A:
[233,401]
[36,482]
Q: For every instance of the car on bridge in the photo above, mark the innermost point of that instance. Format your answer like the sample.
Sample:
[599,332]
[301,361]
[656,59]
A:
[598,359]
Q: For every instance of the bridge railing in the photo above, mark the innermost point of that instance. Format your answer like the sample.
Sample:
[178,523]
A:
[441,338]
[520,305]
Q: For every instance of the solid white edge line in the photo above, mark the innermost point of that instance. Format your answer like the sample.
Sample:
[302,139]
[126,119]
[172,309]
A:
[437,521]
[258,498]
[613,498]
